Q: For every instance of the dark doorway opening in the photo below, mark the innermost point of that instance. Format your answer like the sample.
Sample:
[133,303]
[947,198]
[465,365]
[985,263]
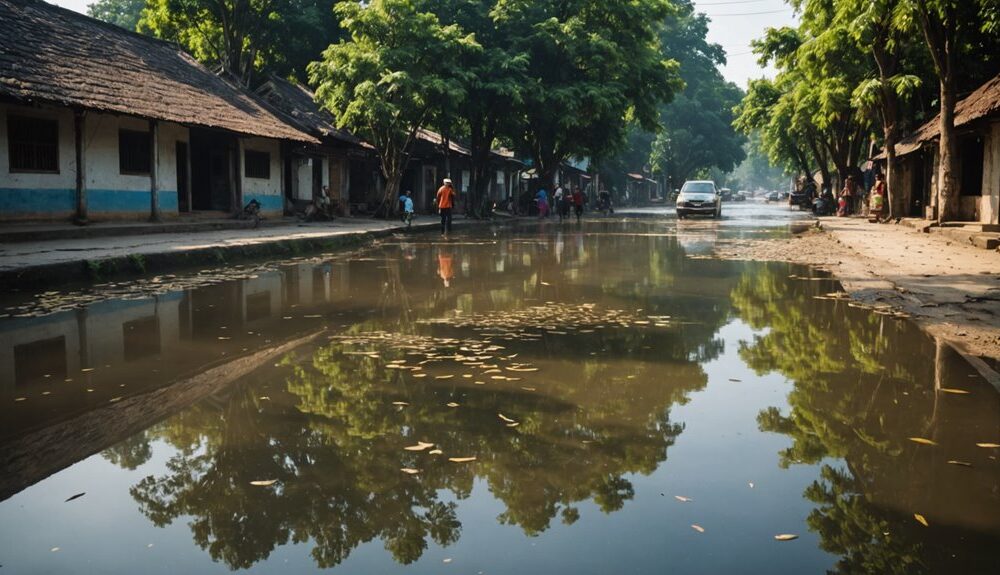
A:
[970,150]
[211,170]
[317,177]
[918,190]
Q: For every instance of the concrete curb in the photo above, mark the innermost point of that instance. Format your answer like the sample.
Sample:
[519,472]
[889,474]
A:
[134,265]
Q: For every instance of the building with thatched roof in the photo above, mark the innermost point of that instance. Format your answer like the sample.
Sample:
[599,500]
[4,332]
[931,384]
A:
[97,121]
[977,122]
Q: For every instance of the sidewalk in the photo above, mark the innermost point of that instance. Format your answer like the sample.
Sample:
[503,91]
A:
[48,262]
[950,288]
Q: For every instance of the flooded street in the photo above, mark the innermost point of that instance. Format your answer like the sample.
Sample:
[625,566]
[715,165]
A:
[529,398]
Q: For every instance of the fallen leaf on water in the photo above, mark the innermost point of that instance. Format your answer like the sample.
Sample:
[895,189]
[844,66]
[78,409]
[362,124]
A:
[735,380]
[77,496]
[528,388]
[264,482]
[683,499]
[522,369]
[515,424]
[420,375]
[54,549]
[698,528]
[400,403]
[20,399]
[461,459]
[505,418]
[988,445]
[114,399]
[410,471]
[785,537]
[435,452]
[751,485]
[920,518]
[264,398]
[420,446]
[962,463]
[955,391]
[452,404]
[444,376]
[922,441]
[447,560]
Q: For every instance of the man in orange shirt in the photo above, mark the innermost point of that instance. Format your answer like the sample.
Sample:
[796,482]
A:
[445,203]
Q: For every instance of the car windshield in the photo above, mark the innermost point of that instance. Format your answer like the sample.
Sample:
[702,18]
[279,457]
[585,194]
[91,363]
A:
[698,188]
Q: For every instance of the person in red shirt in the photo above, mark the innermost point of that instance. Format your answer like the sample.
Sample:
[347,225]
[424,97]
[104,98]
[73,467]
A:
[445,203]
[577,202]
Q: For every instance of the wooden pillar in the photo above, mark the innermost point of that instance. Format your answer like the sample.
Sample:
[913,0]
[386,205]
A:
[79,125]
[154,168]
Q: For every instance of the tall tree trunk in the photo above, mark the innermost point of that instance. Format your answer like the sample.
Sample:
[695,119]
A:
[948,150]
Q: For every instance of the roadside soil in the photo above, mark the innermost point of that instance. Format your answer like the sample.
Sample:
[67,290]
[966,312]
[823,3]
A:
[951,290]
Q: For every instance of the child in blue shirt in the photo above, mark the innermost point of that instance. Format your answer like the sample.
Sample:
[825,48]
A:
[407,208]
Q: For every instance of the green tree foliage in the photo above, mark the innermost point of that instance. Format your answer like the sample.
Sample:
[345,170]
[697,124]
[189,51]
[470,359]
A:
[697,127]
[396,71]
[124,13]
[593,67]
[245,37]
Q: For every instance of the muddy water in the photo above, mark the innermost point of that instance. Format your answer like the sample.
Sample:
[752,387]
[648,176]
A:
[631,405]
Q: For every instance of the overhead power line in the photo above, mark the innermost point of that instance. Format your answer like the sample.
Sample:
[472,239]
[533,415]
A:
[751,13]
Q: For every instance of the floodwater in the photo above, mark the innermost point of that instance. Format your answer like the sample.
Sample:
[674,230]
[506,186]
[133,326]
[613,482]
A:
[535,398]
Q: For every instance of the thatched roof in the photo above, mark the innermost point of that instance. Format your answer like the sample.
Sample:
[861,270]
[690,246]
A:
[297,104]
[984,102]
[52,55]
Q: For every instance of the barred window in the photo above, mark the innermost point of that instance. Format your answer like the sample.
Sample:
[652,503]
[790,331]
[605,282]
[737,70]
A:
[257,165]
[133,152]
[33,144]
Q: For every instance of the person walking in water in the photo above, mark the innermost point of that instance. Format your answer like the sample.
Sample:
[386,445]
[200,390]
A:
[445,203]
[543,203]
[578,203]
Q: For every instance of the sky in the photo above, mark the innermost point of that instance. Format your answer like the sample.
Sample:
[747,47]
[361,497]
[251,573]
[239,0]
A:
[735,23]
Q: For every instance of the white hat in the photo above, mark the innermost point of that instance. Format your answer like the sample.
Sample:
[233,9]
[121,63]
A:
[447,180]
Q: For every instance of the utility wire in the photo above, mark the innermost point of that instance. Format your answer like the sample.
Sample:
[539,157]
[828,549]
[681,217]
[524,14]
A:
[750,13]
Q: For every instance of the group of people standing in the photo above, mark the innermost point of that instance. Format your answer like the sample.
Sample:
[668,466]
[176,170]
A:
[562,200]
[853,199]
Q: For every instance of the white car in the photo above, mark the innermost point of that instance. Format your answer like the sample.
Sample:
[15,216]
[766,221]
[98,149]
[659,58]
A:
[699,197]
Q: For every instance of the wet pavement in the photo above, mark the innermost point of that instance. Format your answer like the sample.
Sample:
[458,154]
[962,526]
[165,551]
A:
[532,398]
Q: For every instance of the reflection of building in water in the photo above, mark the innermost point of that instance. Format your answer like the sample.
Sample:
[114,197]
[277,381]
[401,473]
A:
[118,335]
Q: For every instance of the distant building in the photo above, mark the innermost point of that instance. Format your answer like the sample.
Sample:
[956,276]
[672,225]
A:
[99,123]
[977,122]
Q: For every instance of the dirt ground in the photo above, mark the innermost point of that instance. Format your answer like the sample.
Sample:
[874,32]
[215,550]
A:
[951,290]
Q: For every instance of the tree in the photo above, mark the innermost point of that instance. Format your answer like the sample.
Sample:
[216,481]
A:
[243,37]
[493,88]
[124,13]
[697,126]
[947,26]
[593,66]
[399,67]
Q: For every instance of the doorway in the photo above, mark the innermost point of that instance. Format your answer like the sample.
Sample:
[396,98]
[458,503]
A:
[211,170]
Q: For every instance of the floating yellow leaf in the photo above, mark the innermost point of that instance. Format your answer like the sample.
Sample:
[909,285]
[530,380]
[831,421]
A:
[962,463]
[515,424]
[522,369]
[955,391]
[264,482]
[922,441]
[420,375]
[785,537]
[698,528]
[461,459]
[683,499]
[988,445]
[400,403]
[528,388]
[921,519]
[452,404]
[505,418]
[435,452]
[420,446]
[410,471]
[444,377]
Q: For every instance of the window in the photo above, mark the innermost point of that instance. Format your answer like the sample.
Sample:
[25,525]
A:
[33,144]
[133,152]
[257,165]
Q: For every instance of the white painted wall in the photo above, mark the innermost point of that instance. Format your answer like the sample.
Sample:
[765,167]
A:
[260,186]
[989,207]
[29,330]
[66,178]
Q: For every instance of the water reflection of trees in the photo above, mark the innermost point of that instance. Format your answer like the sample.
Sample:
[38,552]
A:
[333,439]
[865,383]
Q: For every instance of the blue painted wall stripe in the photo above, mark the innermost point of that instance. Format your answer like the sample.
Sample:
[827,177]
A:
[40,201]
